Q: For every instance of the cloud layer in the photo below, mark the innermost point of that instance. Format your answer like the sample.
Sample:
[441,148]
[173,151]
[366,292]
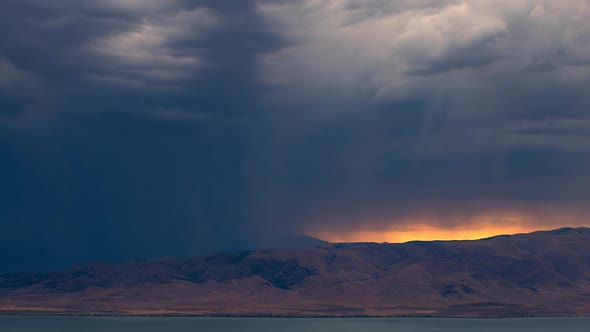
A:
[149,128]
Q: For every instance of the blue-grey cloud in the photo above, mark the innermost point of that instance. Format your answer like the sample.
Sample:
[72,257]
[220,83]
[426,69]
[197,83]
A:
[148,128]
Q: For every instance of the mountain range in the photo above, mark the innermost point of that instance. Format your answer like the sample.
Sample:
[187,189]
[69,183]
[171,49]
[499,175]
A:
[545,273]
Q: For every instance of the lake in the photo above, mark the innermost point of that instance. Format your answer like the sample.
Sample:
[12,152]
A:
[197,324]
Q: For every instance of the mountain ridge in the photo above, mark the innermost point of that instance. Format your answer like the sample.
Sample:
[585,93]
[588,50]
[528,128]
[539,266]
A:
[544,273]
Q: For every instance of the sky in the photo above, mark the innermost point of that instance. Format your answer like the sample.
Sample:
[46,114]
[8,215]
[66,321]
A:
[151,128]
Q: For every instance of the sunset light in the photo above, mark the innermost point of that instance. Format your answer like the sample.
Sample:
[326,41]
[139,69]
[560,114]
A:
[419,233]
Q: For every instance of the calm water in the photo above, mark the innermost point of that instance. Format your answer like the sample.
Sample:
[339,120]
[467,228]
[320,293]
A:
[145,324]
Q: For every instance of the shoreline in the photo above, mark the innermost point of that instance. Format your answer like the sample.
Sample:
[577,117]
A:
[106,315]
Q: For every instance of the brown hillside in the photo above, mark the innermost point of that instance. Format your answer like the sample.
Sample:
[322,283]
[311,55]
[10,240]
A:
[542,273]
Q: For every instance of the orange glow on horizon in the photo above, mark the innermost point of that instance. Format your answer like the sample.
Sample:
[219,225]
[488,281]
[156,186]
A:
[477,227]
[419,233]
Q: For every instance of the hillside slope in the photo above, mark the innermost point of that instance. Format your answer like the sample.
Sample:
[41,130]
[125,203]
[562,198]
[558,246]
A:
[542,273]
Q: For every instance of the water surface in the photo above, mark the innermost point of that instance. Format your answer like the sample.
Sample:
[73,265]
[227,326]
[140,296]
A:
[195,324]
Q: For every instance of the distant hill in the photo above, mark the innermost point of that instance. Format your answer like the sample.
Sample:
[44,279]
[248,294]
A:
[291,242]
[539,274]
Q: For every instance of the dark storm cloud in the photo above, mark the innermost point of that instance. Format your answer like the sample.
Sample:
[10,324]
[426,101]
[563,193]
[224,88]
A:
[140,128]
[420,111]
[125,128]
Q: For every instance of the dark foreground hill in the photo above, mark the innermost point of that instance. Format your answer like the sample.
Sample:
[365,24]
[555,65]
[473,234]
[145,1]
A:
[540,274]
